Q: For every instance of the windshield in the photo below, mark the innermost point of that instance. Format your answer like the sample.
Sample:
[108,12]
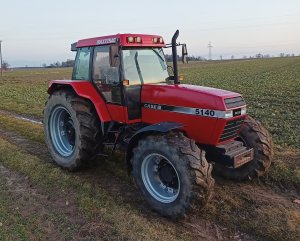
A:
[144,66]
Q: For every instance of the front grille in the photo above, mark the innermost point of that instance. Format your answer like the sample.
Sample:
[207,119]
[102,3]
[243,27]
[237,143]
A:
[234,102]
[231,129]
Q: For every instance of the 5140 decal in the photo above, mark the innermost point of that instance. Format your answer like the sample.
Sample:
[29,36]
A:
[205,112]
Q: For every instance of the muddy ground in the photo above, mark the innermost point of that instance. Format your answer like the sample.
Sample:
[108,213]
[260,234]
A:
[29,198]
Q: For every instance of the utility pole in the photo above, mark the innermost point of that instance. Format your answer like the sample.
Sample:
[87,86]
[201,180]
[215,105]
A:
[209,50]
[1,64]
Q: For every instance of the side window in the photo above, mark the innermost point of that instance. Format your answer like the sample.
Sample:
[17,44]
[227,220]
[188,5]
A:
[82,64]
[105,77]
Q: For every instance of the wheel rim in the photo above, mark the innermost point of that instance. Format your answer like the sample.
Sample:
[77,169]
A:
[62,131]
[160,178]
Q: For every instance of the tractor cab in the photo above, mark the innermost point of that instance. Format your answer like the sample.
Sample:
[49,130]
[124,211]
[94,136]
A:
[118,66]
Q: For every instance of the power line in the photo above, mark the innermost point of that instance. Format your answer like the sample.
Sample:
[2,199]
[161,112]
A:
[1,64]
[209,50]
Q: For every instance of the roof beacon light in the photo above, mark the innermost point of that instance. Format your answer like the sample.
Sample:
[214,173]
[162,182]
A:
[161,41]
[155,40]
[138,39]
[130,39]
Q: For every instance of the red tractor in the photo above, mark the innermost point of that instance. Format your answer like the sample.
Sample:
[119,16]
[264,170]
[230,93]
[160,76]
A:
[124,95]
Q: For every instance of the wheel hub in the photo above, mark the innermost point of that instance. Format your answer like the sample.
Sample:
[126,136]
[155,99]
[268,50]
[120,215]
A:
[167,174]
[160,178]
[62,131]
[69,126]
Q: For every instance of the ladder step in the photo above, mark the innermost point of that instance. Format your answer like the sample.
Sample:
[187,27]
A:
[113,131]
[102,154]
[108,143]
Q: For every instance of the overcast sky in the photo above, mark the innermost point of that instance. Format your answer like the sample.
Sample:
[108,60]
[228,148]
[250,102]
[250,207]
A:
[38,31]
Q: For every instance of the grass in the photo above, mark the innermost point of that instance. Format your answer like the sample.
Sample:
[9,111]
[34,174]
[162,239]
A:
[14,226]
[25,91]
[271,88]
[128,222]
[29,130]
[233,206]
[269,217]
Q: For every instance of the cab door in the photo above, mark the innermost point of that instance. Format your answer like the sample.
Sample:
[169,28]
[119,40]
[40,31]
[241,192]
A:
[107,80]
[133,91]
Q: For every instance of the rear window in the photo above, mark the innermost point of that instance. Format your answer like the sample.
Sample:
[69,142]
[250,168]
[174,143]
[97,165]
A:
[82,64]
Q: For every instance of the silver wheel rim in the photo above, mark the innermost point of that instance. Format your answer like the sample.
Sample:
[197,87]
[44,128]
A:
[62,131]
[160,178]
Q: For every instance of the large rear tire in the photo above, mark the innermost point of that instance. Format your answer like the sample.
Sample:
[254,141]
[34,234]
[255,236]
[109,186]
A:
[172,173]
[255,136]
[72,129]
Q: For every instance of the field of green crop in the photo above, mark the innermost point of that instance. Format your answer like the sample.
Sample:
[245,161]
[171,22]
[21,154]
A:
[105,198]
[271,88]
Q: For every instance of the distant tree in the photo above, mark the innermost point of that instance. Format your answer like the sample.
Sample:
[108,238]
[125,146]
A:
[5,65]
[281,55]
[221,57]
[44,65]
[67,63]
[232,56]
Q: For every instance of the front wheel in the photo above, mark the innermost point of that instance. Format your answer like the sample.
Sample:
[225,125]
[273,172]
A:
[255,136]
[172,173]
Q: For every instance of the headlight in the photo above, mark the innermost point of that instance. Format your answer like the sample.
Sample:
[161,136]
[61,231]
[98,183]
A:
[228,114]
[243,110]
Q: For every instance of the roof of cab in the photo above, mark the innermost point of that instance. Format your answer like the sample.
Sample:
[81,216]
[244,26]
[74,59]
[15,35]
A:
[122,39]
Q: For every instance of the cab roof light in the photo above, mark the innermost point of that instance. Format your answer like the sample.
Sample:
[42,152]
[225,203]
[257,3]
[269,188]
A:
[130,39]
[158,40]
[138,39]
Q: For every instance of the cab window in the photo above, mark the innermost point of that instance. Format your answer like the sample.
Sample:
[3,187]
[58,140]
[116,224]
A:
[82,64]
[105,77]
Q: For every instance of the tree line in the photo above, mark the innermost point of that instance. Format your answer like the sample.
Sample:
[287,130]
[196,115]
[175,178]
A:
[67,63]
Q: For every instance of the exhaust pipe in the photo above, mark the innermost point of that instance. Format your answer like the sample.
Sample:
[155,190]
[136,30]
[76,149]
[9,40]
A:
[174,55]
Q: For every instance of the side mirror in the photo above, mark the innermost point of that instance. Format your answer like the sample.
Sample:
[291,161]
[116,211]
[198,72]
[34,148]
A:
[113,55]
[184,53]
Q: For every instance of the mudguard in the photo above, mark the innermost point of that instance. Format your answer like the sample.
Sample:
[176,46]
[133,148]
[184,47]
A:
[86,90]
[162,127]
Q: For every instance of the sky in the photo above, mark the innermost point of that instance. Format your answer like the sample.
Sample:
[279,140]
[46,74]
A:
[38,31]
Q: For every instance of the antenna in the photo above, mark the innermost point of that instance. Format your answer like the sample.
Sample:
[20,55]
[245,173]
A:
[209,50]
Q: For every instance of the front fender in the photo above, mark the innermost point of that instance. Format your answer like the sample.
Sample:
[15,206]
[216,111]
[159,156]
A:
[162,127]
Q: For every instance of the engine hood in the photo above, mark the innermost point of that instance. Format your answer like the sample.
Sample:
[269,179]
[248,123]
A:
[186,96]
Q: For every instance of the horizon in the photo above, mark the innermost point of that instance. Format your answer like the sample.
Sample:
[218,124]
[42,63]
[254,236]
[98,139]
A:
[41,32]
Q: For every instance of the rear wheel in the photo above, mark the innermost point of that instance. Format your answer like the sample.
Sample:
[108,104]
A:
[72,129]
[255,136]
[172,173]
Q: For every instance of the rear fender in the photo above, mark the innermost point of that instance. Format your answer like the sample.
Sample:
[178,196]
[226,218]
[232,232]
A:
[162,127]
[86,90]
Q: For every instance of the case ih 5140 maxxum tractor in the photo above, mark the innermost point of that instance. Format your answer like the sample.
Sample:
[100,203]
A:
[123,95]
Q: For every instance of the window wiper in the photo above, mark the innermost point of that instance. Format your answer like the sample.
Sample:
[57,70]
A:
[162,61]
[138,67]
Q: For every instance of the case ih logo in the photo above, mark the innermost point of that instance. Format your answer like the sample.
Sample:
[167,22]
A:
[152,106]
[106,41]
